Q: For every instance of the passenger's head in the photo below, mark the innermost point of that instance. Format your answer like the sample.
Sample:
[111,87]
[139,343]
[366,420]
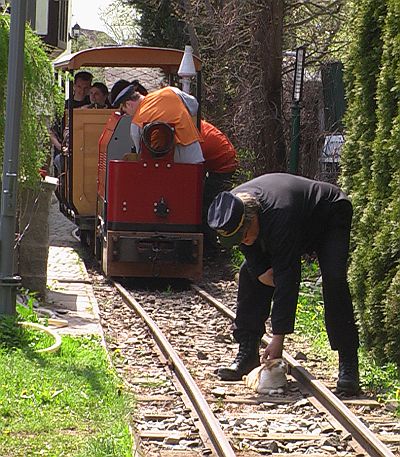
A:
[233,217]
[82,83]
[128,100]
[98,94]
[117,88]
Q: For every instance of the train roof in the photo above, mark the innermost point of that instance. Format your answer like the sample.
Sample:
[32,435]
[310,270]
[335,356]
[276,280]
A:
[124,56]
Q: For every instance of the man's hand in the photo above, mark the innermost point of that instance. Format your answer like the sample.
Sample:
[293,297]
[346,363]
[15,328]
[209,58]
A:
[267,278]
[274,348]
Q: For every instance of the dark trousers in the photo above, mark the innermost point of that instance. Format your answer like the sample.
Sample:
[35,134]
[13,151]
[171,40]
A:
[254,298]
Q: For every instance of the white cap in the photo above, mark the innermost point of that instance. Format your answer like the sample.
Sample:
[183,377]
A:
[187,68]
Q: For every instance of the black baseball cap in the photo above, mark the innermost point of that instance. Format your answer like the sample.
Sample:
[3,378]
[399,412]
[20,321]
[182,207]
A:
[226,217]
[124,95]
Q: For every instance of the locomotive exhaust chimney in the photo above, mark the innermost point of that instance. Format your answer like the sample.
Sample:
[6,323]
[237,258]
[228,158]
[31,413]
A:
[187,69]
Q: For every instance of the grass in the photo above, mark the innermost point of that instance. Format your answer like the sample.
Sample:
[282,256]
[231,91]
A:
[66,404]
[310,310]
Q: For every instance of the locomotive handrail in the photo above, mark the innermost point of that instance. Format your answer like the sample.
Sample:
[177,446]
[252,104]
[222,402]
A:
[124,56]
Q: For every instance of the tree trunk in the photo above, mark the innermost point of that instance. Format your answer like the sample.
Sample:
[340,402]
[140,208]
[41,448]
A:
[269,34]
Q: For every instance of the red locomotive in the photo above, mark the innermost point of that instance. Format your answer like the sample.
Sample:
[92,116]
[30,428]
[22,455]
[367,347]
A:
[148,219]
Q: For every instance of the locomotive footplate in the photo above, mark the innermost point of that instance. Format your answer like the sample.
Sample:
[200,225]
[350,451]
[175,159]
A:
[153,254]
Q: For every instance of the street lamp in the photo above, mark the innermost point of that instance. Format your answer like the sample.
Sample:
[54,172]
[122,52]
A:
[76,31]
[299,73]
[296,99]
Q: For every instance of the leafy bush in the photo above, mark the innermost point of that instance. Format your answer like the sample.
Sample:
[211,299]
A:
[41,100]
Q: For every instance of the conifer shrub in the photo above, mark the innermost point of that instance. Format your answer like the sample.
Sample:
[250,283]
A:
[371,173]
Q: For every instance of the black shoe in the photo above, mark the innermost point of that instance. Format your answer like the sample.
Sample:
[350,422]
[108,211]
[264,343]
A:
[348,380]
[246,360]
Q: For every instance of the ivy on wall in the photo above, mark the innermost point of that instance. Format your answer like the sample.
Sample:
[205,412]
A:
[40,102]
[371,172]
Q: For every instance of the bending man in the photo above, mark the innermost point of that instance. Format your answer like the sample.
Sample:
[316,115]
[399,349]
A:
[275,219]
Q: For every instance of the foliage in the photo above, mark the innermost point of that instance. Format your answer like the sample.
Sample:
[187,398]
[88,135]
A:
[317,26]
[241,46]
[77,409]
[41,99]
[383,381]
[91,39]
[121,22]
[310,308]
[25,308]
[237,258]
[247,169]
[160,24]
[11,335]
[371,173]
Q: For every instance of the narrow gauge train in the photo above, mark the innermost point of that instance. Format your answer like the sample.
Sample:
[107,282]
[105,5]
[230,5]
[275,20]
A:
[141,215]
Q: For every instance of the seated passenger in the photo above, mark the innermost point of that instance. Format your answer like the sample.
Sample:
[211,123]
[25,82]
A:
[81,87]
[82,84]
[98,95]
[58,162]
[169,105]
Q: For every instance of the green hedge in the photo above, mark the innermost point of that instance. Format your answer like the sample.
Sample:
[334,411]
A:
[371,172]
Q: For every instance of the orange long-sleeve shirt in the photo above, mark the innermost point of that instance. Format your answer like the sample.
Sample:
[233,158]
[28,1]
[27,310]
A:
[219,154]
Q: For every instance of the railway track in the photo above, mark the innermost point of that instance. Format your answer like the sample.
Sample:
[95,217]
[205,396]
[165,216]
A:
[184,410]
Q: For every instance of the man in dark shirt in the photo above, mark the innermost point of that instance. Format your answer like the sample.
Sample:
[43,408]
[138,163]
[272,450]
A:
[275,219]
[82,84]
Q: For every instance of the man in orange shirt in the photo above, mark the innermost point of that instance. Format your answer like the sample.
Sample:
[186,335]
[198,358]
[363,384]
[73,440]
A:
[169,105]
[220,163]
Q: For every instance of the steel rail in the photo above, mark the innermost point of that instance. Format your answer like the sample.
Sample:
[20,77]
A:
[364,437]
[211,424]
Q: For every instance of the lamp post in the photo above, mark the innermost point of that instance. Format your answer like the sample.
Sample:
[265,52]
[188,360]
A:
[8,281]
[296,99]
[76,31]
